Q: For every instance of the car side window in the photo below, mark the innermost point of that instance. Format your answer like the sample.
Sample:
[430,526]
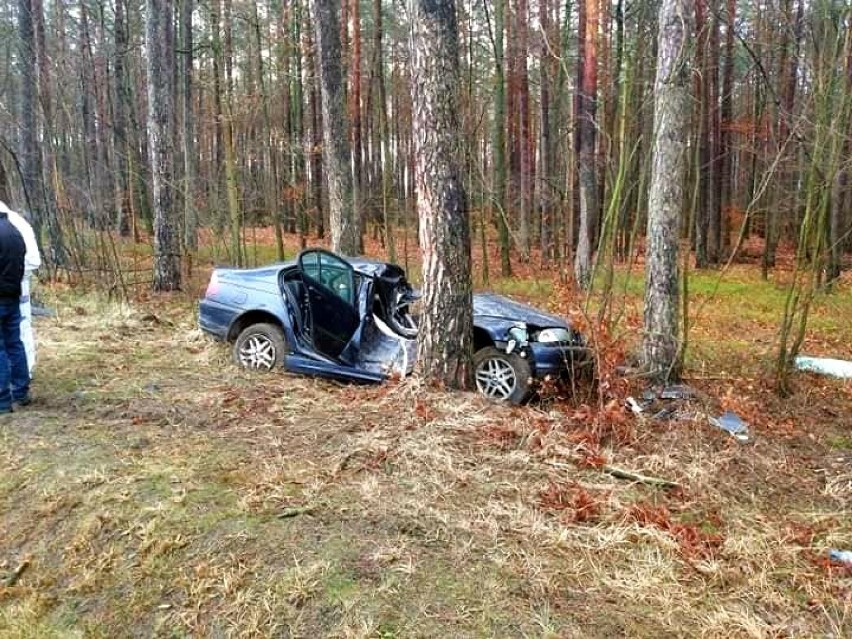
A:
[332,272]
[310,265]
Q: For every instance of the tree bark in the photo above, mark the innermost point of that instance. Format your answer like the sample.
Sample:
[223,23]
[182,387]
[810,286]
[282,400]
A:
[671,119]
[159,41]
[523,105]
[498,141]
[355,119]
[30,156]
[190,213]
[726,149]
[446,326]
[345,227]
[4,185]
[120,139]
[544,150]
[588,180]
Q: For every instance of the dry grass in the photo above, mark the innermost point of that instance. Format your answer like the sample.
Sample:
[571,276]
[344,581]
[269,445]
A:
[159,491]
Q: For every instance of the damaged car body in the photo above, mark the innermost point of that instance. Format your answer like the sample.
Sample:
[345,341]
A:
[351,319]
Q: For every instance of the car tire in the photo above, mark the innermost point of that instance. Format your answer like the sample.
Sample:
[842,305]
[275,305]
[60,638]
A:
[260,347]
[501,376]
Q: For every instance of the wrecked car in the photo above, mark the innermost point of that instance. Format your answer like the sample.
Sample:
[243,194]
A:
[351,319]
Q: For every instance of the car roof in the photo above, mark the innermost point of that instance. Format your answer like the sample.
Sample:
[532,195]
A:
[362,265]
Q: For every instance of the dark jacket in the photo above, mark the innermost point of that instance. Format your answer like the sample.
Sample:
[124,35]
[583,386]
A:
[12,251]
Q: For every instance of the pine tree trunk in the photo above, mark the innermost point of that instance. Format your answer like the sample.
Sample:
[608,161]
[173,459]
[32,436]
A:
[714,231]
[588,180]
[345,228]
[523,105]
[190,220]
[355,120]
[544,151]
[30,155]
[313,138]
[446,326]
[120,140]
[726,149]
[671,120]
[49,172]
[159,42]
[702,138]
[498,141]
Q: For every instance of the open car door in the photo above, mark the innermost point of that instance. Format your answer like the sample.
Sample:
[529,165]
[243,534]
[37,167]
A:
[332,299]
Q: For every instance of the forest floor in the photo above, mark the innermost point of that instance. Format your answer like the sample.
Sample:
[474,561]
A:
[153,489]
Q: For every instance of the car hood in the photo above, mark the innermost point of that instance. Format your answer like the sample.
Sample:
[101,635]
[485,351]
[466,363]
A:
[500,307]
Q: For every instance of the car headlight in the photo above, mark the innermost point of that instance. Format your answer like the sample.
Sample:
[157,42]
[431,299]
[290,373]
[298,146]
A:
[553,335]
[519,333]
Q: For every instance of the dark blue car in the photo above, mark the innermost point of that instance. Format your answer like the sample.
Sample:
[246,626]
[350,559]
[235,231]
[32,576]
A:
[352,319]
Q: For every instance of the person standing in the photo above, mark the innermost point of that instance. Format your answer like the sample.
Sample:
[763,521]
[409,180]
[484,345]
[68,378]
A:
[32,261]
[14,373]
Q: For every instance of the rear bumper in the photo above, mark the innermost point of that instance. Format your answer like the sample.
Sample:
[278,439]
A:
[214,318]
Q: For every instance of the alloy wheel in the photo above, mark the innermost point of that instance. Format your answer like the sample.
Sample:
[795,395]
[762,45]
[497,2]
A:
[258,353]
[495,378]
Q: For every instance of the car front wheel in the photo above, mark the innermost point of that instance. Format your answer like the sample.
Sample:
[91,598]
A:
[501,376]
[260,347]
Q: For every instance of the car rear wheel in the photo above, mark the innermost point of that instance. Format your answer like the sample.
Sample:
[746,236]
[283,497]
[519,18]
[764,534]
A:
[260,347]
[501,376]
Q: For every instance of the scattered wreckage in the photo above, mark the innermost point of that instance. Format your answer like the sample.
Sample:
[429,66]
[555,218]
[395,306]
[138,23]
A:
[351,319]
[673,402]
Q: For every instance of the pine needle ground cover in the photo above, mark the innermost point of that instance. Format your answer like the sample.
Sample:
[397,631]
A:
[154,489]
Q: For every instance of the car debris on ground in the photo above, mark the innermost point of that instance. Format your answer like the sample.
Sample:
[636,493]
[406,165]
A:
[674,403]
[841,556]
[839,368]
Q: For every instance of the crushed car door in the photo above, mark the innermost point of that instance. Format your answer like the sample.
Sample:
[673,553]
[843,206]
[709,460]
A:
[332,300]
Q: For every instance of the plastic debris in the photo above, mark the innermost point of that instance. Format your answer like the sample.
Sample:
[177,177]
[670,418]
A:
[635,407]
[678,391]
[842,556]
[660,403]
[732,424]
[824,366]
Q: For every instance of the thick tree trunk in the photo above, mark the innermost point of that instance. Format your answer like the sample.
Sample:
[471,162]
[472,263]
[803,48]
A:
[671,119]
[588,180]
[159,42]
[446,326]
[345,226]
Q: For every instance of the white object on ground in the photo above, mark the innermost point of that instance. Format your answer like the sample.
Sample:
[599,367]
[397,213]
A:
[825,366]
[731,424]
